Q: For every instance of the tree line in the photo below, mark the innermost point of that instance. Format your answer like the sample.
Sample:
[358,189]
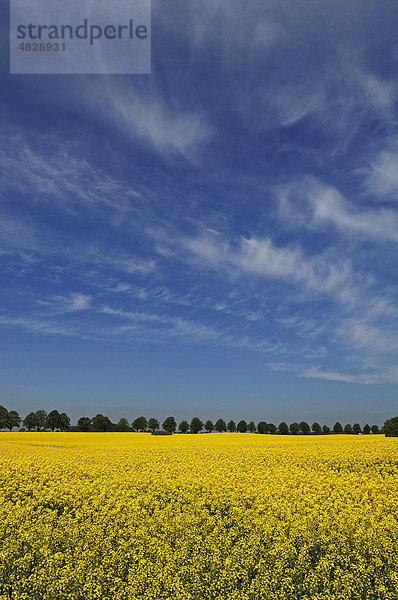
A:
[39,420]
[55,421]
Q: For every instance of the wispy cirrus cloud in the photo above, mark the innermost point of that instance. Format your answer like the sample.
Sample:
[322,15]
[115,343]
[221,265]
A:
[389,375]
[65,304]
[261,258]
[376,338]
[18,234]
[42,174]
[310,203]
[305,327]
[359,311]
[63,315]
[25,236]
[49,198]
[145,116]
[43,326]
[231,32]
[382,175]
[338,96]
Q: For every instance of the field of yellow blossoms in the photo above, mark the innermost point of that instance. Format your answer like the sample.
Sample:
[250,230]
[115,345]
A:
[123,516]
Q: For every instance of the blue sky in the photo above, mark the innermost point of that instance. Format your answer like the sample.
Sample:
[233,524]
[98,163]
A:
[217,238]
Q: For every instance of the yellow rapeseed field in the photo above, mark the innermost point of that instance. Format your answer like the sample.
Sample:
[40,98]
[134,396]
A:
[123,516]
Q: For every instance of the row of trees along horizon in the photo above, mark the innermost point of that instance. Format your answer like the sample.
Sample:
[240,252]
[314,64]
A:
[55,421]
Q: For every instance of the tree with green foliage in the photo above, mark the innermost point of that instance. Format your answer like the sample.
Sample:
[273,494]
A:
[252,427]
[64,422]
[30,421]
[283,428]
[305,428]
[139,424]
[183,427]
[196,425]
[84,424]
[101,423]
[348,428]
[390,427]
[53,420]
[170,424]
[337,428]
[220,425]
[123,425]
[41,419]
[375,429]
[366,428]
[231,426]
[3,417]
[262,427]
[316,428]
[294,428]
[356,428]
[153,424]
[271,428]
[325,429]
[13,420]
[209,426]
[241,427]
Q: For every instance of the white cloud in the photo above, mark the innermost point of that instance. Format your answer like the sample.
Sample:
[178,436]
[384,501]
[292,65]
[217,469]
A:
[376,339]
[389,375]
[372,92]
[94,254]
[262,257]
[316,373]
[146,116]
[16,235]
[306,328]
[382,176]
[45,175]
[34,179]
[75,301]
[338,95]
[325,205]
[165,129]
[176,325]
[37,325]
[321,274]
[230,31]
[62,315]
